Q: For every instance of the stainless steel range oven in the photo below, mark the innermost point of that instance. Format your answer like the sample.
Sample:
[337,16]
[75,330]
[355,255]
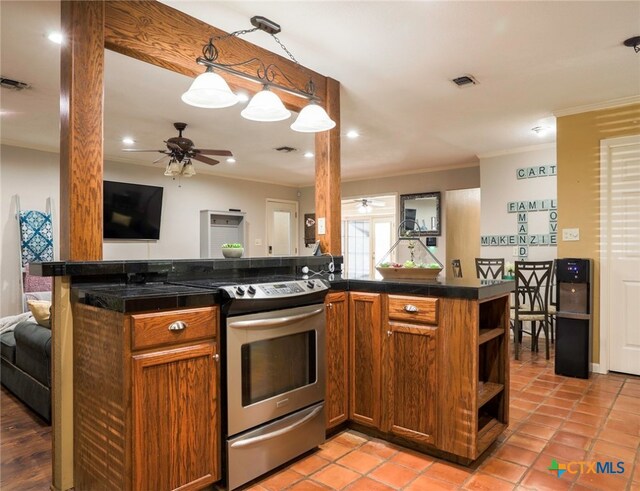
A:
[275,374]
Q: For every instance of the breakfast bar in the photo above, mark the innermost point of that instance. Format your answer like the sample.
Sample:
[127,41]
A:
[423,364]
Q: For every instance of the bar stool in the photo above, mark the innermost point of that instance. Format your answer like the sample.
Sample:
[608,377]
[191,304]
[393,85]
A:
[489,268]
[532,302]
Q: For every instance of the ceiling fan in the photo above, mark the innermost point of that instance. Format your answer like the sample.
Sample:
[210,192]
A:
[181,150]
[366,204]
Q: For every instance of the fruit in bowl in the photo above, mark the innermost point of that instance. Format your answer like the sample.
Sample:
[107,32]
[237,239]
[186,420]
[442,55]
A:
[233,250]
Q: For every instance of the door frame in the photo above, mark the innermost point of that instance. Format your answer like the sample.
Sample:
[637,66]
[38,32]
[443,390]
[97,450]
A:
[294,231]
[605,272]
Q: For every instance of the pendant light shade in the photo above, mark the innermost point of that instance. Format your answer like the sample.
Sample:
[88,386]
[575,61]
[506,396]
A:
[173,168]
[265,106]
[313,118]
[209,90]
[188,170]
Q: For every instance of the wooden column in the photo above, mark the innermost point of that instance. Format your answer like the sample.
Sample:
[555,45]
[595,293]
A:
[328,205]
[81,153]
[81,167]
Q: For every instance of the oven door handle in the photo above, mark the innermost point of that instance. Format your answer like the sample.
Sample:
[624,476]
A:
[274,434]
[276,321]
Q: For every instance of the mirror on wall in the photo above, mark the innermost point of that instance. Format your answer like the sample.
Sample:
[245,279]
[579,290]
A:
[421,213]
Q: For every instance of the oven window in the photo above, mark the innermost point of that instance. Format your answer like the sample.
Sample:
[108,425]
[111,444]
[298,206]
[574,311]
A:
[275,366]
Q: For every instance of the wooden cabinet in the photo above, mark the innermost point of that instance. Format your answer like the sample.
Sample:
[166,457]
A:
[337,336]
[365,322]
[412,383]
[410,374]
[175,418]
[146,399]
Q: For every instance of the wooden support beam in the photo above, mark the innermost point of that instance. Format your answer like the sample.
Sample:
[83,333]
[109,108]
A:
[328,203]
[81,152]
[158,34]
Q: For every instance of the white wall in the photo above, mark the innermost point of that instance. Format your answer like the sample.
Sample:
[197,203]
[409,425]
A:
[34,175]
[499,185]
[426,182]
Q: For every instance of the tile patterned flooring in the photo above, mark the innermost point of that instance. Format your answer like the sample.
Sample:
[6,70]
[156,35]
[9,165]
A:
[551,417]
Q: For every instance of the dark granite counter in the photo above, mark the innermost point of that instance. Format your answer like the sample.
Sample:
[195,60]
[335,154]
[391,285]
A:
[147,297]
[158,296]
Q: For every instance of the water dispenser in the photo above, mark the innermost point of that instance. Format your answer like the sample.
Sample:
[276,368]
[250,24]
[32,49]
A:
[574,317]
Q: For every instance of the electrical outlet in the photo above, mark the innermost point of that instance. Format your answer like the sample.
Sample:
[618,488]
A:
[322,228]
[570,234]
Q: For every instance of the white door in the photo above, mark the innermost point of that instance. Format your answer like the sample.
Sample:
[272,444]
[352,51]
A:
[620,277]
[364,241]
[282,228]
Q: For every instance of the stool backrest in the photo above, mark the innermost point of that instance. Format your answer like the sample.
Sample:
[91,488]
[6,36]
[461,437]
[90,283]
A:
[532,286]
[489,268]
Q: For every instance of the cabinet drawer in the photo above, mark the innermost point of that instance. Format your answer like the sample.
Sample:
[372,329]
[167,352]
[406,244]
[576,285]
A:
[418,310]
[176,326]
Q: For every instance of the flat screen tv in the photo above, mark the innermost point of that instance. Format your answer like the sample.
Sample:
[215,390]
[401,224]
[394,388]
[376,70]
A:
[131,211]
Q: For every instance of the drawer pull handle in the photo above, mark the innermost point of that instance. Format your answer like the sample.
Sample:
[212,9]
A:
[177,326]
[412,309]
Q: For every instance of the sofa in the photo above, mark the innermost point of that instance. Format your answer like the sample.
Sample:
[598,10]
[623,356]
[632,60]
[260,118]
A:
[25,357]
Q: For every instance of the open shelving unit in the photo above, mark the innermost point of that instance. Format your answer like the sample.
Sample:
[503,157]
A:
[493,371]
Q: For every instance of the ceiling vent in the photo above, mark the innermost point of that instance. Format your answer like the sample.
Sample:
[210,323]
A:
[465,81]
[8,83]
[286,149]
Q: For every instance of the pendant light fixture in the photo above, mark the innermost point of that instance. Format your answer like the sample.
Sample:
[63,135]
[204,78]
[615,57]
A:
[211,91]
[265,106]
[312,119]
[173,168]
[188,169]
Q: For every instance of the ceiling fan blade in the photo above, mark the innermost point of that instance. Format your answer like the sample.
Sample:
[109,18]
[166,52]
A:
[161,158]
[204,151]
[136,150]
[205,160]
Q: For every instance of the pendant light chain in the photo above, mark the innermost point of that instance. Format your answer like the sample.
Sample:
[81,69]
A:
[285,49]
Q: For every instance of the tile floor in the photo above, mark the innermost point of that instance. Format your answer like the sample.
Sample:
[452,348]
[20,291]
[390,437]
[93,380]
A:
[552,417]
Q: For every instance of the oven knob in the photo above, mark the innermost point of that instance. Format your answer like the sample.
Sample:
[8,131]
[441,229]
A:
[251,290]
[240,290]
[311,284]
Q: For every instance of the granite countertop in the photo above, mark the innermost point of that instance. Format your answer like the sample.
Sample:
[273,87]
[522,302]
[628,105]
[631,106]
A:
[150,296]
[185,293]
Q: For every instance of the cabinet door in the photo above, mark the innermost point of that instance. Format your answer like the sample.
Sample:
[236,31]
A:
[412,382]
[175,418]
[365,318]
[336,398]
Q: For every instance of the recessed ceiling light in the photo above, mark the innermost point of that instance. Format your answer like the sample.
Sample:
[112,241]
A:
[55,37]
[231,160]
[308,154]
[127,140]
[242,97]
[352,134]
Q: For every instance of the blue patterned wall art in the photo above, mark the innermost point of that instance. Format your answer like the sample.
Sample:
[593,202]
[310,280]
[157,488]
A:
[36,236]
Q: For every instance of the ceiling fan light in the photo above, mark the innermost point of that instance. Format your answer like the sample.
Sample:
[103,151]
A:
[209,90]
[188,170]
[265,106]
[173,168]
[312,119]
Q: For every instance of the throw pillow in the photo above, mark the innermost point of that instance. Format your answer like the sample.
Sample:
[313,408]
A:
[41,310]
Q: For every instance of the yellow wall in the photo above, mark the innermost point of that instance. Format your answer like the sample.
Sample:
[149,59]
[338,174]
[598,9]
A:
[578,147]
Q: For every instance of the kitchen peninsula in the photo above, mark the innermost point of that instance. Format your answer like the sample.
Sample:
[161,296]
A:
[423,364]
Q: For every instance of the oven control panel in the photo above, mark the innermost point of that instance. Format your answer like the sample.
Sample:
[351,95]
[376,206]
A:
[275,290]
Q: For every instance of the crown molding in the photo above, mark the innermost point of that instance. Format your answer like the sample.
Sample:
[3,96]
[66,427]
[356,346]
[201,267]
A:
[511,151]
[441,168]
[623,101]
